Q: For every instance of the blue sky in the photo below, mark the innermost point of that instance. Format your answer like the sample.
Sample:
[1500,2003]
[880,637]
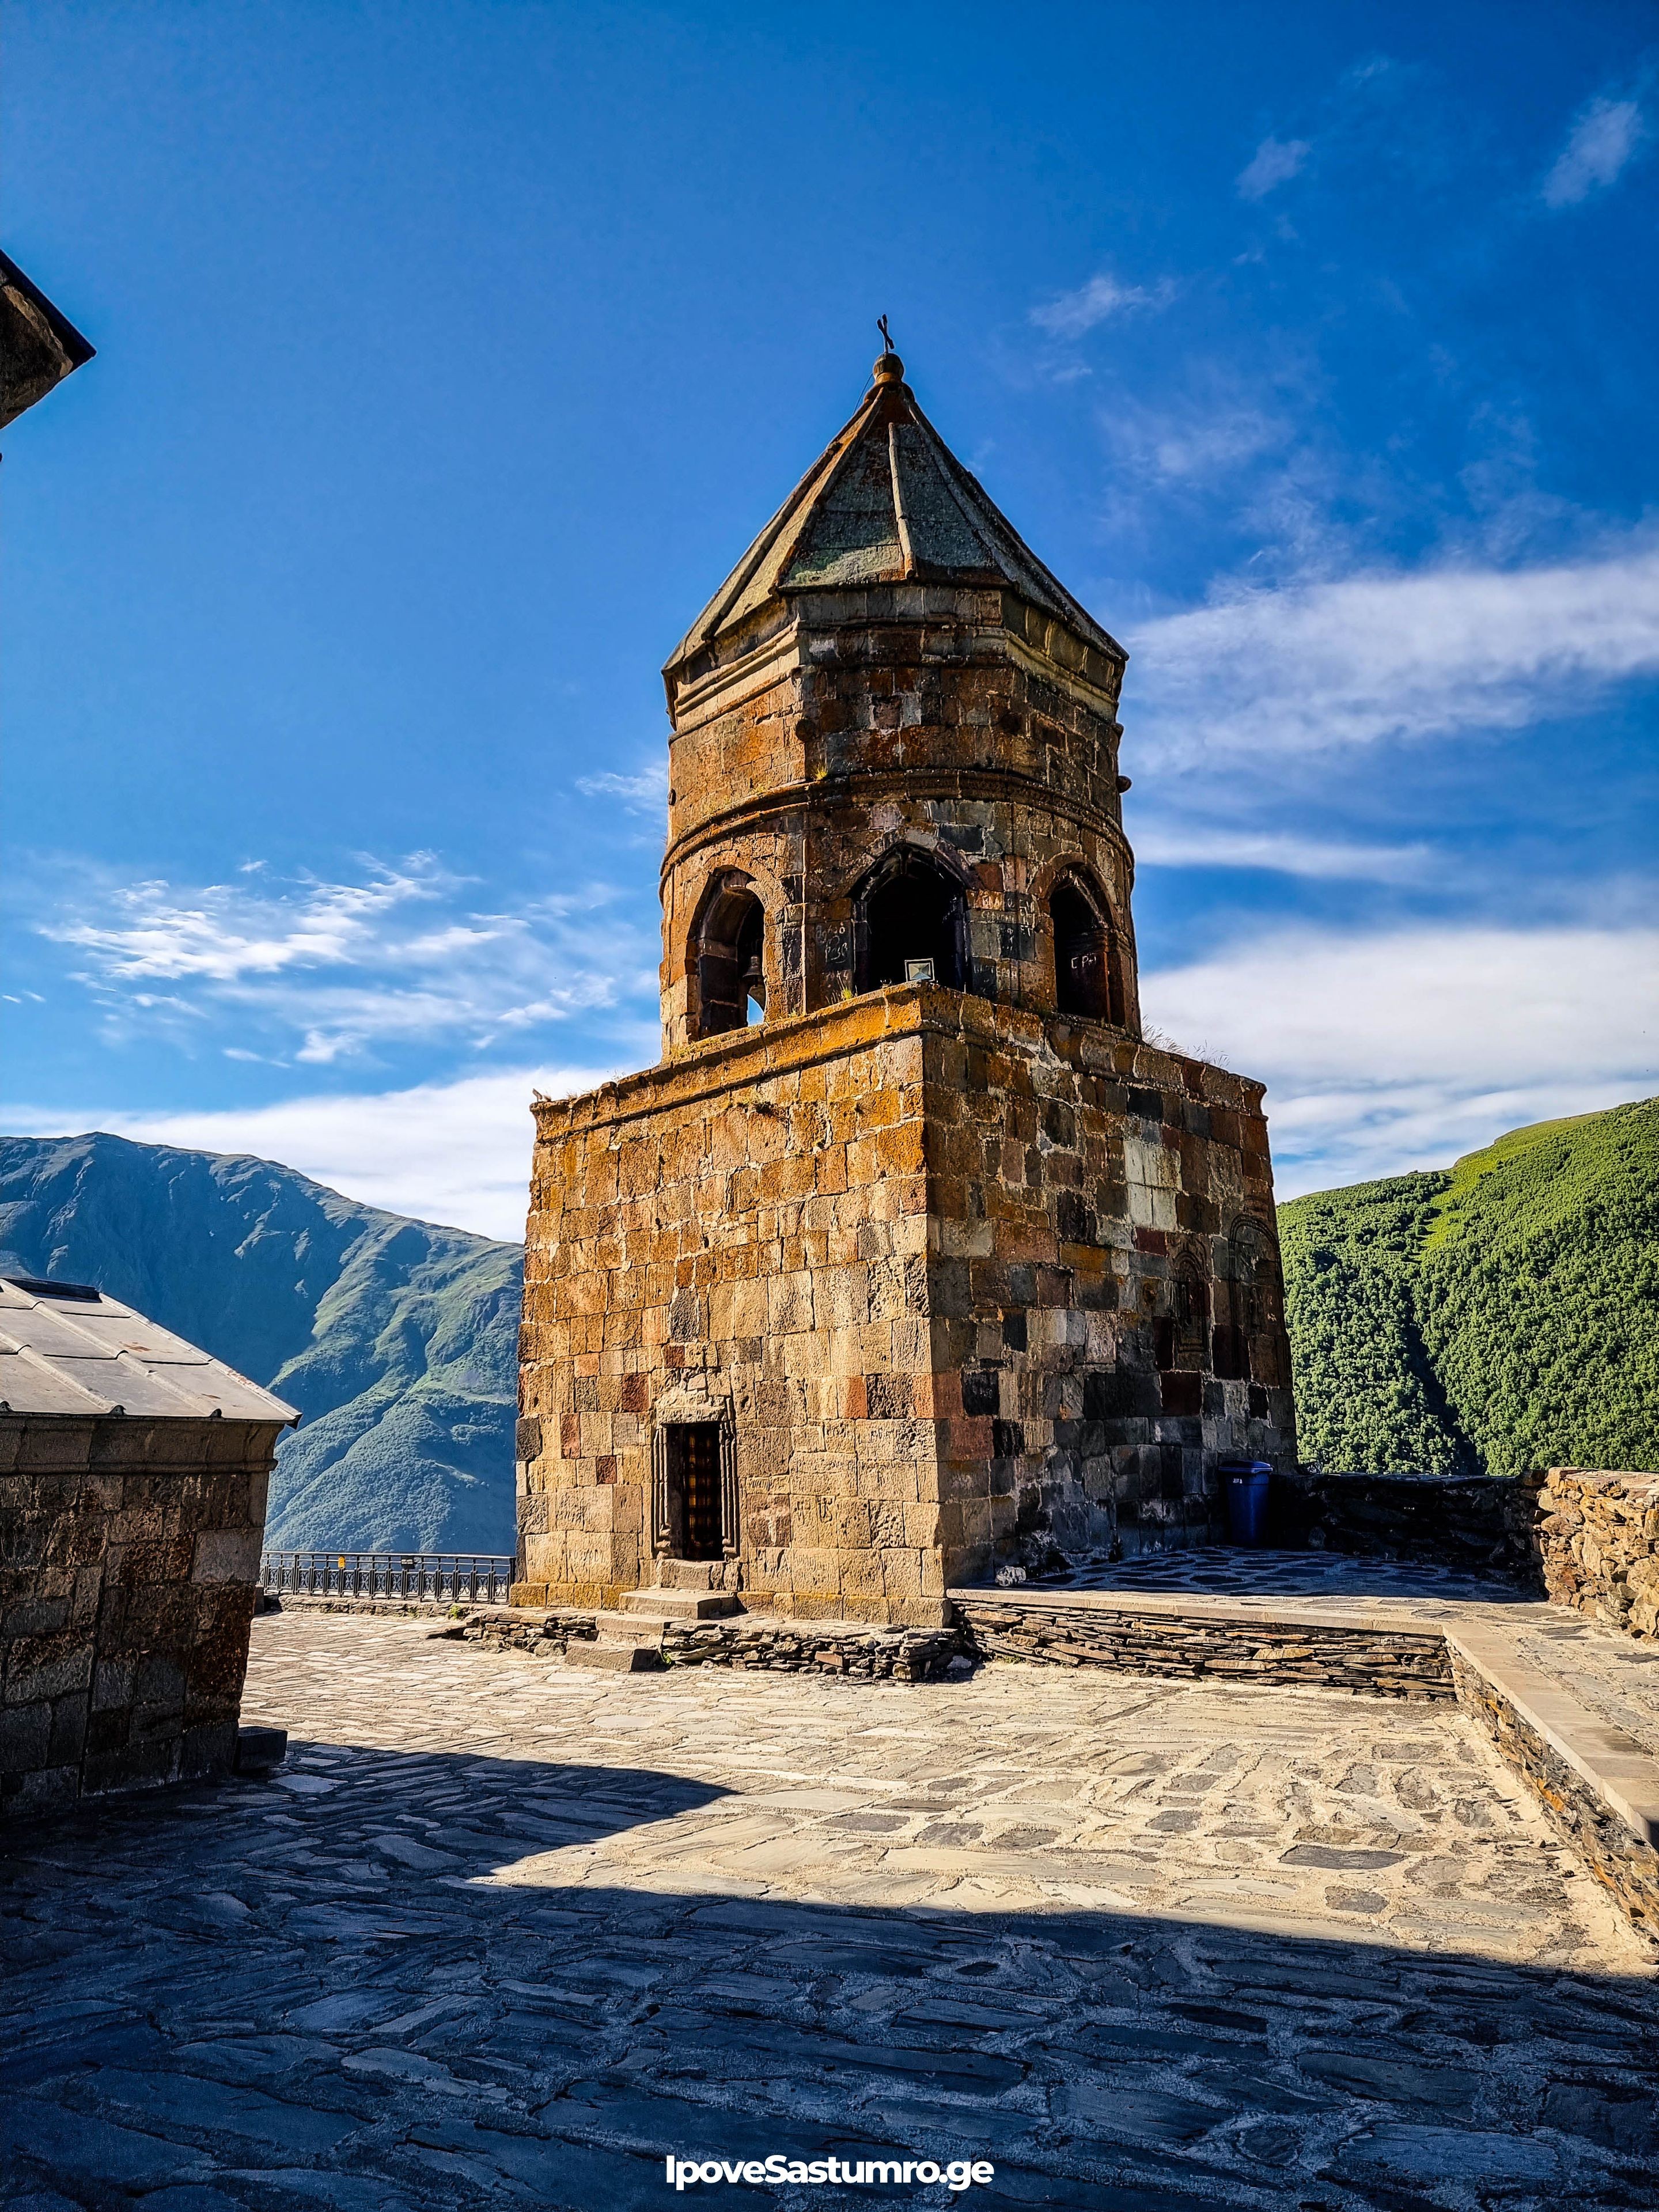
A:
[449,355]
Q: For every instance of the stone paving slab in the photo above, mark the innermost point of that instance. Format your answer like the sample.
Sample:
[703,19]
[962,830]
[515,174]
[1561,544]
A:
[1609,1674]
[503,1930]
[1326,1580]
[1592,1693]
[1329,1610]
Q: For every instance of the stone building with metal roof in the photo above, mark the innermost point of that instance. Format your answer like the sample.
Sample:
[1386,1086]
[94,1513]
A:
[38,345]
[912,1257]
[133,1473]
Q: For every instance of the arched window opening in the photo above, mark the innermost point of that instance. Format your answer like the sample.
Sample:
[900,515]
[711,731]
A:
[1085,973]
[731,961]
[911,914]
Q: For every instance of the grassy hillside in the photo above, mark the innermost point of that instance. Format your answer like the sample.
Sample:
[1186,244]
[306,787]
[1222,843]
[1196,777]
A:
[396,1340]
[1500,1315]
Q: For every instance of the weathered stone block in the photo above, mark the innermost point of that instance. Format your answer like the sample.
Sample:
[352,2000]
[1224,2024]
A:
[126,1616]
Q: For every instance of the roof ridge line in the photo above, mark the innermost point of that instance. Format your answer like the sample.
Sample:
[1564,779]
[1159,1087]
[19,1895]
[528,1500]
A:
[952,467]
[932,436]
[899,515]
[49,1366]
[817,479]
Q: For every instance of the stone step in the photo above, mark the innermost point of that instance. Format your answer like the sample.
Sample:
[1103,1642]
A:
[616,1658]
[664,1605]
[628,1628]
[259,1750]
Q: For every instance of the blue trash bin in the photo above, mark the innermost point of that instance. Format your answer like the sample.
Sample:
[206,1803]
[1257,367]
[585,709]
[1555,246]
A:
[1246,1482]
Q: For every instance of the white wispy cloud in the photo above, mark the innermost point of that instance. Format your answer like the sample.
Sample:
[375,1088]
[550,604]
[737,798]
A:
[457,1154]
[1204,443]
[1315,666]
[1071,313]
[222,932]
[647,791]
[1400,1047]
[1168,841]
[1603,138]
[1384,1051]
[318,971]
[1275,161]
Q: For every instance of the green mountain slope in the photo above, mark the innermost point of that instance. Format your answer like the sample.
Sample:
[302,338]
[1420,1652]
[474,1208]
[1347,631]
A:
[396,1340]
[1497,1316]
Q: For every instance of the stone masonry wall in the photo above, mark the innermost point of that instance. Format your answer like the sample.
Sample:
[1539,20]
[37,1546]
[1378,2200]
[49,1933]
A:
[748,1643]
[129,1566]
[1374,1662]
[1106,1301]
[960,1277]
[1599,1534]
[940,716]
[1484,1523]
[744,1230]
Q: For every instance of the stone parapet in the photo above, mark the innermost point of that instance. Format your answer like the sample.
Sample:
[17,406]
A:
[1581,1796]
[1485,1523]
[1599,1536]
[910,1655]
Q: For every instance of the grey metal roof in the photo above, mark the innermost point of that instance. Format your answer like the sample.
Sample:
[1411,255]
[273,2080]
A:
[90,1356]
[888,502]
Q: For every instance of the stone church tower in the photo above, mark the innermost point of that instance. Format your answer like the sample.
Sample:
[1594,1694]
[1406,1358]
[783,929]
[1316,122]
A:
[909,1256]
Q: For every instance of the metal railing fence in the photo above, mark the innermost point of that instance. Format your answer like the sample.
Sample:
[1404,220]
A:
[451,1578]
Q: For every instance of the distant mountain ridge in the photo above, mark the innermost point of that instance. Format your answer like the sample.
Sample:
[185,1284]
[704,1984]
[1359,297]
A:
[1497,1316]
[396,1340]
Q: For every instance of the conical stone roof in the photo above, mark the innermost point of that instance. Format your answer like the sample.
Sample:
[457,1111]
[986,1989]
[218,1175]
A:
[887,502]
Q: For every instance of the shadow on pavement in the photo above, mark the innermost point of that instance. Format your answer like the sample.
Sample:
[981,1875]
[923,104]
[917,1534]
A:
[316,1991]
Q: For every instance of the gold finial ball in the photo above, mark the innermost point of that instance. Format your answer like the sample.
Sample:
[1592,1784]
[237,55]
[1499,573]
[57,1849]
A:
[890,369]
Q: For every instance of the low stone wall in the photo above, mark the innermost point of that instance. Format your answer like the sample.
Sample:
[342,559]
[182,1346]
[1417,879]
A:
[519,1628]
[1599,1534]
[748,1642]
[1378,1662]
[790,1647]
[1614,1854]
[1484,1523]
[128,1565]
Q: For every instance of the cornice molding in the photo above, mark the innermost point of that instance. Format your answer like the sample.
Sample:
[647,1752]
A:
[873,785]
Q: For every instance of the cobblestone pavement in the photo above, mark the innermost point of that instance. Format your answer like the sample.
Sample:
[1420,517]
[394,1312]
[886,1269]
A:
[1220,1570]
[504,1931]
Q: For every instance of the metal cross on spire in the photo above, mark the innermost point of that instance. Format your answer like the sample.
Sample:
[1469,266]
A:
[886,339]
